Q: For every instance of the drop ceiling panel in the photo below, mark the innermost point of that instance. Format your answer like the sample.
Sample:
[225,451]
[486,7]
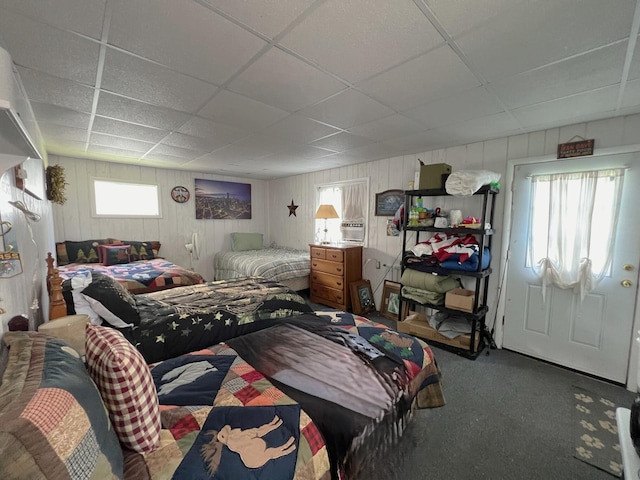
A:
[266,142]
[114,153]
[47,49]
[45,88]
[301,86]
[342,141]
[372,151]
[127,130]
[434,75]
[359,38]
[631,96]
[217,132]
[177,152]
[582,73]
[101,139]
[267,17]
[347,109]
[533,34]
[54,133]
[388,127]
[458,108]
[233,109]
[134,111]
[582,105]
[184,36]
[479,128]
[193,143]
[82,16]
[300,129]
[136,78]
[48,113]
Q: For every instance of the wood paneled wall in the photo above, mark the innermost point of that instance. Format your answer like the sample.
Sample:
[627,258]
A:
[73,220]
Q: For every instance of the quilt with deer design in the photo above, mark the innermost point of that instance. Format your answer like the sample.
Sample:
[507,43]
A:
[281,402]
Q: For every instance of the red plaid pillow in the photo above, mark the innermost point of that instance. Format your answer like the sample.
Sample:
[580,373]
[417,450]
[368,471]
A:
[126,387]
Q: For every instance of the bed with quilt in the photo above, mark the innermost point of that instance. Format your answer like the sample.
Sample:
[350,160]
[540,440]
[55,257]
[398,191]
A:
[251,383]
[248,258]
[135,264]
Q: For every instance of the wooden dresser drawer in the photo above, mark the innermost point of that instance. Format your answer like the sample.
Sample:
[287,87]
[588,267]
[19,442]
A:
[317,252]
[326,266]
[330,295]
[327,280]
[334,255]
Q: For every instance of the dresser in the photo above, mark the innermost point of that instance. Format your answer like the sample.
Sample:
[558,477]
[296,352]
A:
[333,268]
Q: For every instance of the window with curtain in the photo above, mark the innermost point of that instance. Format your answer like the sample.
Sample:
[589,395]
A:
[350,200]
[572,226]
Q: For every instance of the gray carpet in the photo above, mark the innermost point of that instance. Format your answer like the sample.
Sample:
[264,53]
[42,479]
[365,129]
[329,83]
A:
[507,416]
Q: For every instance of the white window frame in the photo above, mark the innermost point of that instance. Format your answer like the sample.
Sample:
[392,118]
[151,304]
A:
[133,214]
[367,222]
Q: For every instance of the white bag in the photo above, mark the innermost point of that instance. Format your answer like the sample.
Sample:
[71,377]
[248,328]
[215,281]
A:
[467,182]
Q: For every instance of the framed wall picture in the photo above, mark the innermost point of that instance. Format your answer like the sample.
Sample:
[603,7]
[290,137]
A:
[362,297]
[219,200]
[391,301]
[388,202]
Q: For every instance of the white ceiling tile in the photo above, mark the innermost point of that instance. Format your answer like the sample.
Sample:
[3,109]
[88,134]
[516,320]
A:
[434,75]
[359,38]
[47,113]
[347,109]
[306,152]
[631,96]
[103,140]
[238,154]
[342,141]
[82,16]
[480,128]
[168,161]
[66,148]
[267,17]
[134,111]
[235,109]
[41,87]
[537,33]
[127,130]
[266,143]
[49,50]
[194,143]
[184,36]
[458,108]
[419,142]
[564,109]
[120,154]
[388,127]
[586,72]
[372,151]
[178,152]
[301,86]
[133,77]
[217,132]
[55,133]
[300,129]
[634,70]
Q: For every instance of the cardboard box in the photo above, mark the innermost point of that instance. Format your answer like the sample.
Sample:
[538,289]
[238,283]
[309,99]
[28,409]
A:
[433,176]
[460,299]
[414,326]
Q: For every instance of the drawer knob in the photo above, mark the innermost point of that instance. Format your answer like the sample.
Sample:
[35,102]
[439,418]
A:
[338,269]
[339,284]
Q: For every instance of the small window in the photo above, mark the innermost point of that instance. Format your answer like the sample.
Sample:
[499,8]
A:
[119,198]
[349,199]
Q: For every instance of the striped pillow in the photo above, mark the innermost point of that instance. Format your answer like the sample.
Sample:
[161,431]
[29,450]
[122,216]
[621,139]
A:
[126,386]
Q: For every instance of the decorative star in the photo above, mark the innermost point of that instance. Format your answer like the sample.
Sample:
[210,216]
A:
[183,316]
[186,332]
[218,316]
[227,321]
[208,326]
[160,338]
[174,325]
[292,208]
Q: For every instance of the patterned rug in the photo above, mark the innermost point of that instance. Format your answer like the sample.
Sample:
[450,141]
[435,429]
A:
[595,432]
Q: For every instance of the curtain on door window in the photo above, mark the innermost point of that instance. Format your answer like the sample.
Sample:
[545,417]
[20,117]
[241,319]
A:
[572,226]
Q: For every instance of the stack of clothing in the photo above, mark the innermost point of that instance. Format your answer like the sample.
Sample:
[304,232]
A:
[453,252]
[424,287]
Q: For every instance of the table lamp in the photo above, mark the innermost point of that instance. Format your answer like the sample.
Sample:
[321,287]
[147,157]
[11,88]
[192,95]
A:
[326,211]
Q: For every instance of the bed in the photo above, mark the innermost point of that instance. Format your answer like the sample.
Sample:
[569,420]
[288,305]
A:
[248,258]
[136,265]
[247,354]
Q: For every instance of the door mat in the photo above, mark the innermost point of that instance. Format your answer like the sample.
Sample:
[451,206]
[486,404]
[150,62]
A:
[595,432]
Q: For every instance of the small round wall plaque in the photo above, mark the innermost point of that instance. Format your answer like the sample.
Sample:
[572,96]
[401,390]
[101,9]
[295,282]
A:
[180,194]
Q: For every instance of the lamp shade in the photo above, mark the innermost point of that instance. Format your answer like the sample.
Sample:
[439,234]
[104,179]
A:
[326,211]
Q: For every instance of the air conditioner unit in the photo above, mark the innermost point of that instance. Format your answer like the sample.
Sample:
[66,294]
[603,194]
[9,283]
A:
[20,136]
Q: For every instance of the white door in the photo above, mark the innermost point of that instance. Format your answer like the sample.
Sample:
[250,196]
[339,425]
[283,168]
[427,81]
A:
[593,335]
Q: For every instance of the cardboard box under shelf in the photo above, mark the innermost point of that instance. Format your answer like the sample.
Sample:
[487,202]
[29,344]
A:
[433,176]
[414,326]
[460,299]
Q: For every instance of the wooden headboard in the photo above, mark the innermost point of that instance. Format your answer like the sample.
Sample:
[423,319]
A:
[57,305]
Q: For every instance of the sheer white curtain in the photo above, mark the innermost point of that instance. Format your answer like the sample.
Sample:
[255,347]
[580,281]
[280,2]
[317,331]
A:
[572,226]
[349,198]
[354,202]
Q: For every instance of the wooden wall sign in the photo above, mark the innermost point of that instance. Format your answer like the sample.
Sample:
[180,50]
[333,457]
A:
[576,149]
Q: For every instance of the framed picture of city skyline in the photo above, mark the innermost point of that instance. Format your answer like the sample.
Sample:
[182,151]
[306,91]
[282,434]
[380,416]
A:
[218,200]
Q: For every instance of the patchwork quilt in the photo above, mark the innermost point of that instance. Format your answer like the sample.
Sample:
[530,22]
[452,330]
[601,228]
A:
[315,396]
[140,276]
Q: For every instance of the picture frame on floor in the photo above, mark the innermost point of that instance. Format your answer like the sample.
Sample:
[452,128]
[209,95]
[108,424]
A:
[391,301]
[362,297]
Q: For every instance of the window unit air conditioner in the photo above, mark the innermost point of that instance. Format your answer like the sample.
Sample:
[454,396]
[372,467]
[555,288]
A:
[352,232]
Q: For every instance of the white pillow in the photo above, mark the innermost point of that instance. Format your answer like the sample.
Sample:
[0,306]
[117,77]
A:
[80,305]
[99,309]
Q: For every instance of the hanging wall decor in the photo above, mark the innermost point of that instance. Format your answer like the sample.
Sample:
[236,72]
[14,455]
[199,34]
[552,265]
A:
[56,184]
[292,208]
[220,200]
[180,194]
